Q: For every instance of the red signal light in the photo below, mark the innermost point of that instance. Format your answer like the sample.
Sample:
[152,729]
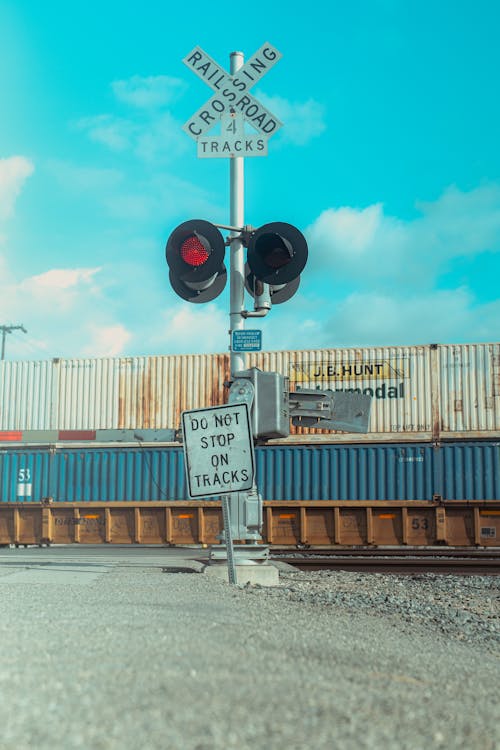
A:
[195,256]
[193,251]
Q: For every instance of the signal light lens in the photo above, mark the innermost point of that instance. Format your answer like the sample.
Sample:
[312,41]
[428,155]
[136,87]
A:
[193,251]
[277,253]
[195,256]
[275,250]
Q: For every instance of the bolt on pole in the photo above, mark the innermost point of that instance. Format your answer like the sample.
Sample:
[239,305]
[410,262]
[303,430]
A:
[236,252]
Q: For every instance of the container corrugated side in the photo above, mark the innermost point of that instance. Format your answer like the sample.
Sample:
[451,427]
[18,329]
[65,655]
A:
[409,471]
[419,392]
[469,392]
[137,392]
[398,378]
[27,395]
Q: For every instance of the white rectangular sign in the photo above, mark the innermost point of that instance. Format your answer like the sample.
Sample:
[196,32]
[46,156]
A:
[217,146]
[218,450]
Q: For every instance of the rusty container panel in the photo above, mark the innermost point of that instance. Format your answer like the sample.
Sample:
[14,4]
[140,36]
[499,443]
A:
[27,525]
[419,392]
[185,525]
[420,526]
[7,526]
[137,392]
[352,528]
[460,526]
[153,526]
[283,526]
[318,527]
[387,526]
[63,525]
[469,389]
[92,526]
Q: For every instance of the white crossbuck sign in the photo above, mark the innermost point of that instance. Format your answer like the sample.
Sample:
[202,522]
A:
[232,99]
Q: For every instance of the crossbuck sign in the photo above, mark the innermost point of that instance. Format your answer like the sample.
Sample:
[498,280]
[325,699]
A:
[232,104]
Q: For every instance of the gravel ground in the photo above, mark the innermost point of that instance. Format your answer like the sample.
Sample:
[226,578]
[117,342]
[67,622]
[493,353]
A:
[140,658]
[463,608]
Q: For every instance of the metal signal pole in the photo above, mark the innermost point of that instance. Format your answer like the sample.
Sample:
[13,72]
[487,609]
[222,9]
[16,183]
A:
[236,256]
[8,329]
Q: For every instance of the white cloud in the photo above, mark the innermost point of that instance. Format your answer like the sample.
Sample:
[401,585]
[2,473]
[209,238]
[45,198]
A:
[14,171]
[463,223]
[348,228]
[107,341]
[63,288]
[66,311]
[158,139]
[373,319]
[166,196]
[366,245]
[151,135]
[78,178]
[302,121]
[161,140]
[59,279]
[149,91]
[188,328]
[114,132]
[384,274]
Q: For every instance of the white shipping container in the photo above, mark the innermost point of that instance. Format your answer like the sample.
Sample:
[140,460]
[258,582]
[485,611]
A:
[419,392]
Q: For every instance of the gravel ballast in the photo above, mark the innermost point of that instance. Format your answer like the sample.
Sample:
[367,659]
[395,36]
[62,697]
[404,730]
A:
[142,658]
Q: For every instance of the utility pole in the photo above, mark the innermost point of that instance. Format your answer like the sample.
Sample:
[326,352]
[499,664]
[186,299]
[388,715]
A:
[8,329]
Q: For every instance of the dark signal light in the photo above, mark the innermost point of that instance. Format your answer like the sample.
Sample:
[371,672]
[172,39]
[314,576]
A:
[277,253]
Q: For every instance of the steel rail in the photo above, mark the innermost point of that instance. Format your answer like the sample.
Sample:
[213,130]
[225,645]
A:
[459,563]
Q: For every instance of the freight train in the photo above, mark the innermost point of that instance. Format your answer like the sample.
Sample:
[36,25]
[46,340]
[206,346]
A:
[434,426]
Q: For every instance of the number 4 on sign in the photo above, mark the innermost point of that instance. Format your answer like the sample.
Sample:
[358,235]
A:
[233,124]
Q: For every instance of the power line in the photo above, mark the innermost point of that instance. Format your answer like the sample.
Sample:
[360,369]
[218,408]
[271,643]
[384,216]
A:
[8,329]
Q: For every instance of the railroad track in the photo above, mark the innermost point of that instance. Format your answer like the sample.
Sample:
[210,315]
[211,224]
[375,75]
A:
[444,562]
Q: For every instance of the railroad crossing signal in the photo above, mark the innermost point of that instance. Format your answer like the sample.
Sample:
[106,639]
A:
[195,254]
[232,97]
[277,253]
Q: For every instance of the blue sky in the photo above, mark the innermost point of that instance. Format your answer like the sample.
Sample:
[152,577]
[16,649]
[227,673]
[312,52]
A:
[388,161]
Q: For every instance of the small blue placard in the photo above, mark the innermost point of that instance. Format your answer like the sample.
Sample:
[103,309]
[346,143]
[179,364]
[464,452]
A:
[247,341]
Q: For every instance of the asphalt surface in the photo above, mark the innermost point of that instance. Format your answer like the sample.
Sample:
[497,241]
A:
[104,648]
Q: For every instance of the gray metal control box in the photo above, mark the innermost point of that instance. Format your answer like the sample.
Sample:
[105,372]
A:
[267,395]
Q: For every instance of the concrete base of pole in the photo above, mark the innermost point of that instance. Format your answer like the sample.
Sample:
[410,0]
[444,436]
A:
[264,574]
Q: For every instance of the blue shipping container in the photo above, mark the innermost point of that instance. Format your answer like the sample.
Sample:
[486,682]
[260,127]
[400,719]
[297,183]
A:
[456,471]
